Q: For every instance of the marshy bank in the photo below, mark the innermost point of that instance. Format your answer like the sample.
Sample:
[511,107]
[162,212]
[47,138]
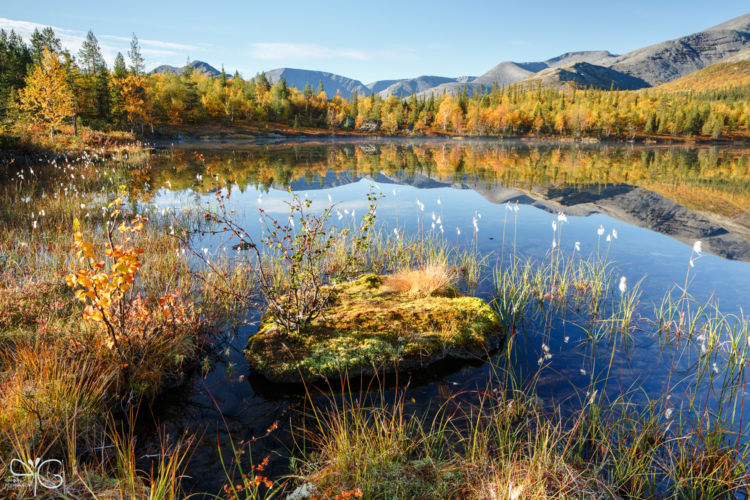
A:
[598,387]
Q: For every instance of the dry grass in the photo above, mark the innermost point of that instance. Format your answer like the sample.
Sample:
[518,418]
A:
[429,280]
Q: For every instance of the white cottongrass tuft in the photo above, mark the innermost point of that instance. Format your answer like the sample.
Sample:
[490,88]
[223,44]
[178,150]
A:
[554,226]
[614,233]
[697,247]
[600,231]
[578,246]
[623,284]
[668,413]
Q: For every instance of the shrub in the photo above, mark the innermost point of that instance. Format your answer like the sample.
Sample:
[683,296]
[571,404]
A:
[430,279]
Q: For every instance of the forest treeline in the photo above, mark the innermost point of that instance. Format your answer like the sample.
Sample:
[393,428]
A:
[44,85]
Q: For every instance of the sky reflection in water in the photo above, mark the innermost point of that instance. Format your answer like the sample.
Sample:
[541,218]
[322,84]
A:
[639,252]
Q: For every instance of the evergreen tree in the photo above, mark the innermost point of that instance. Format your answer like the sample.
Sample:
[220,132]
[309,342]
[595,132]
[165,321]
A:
[353,103]
[44,39]
[15,57]
[223,79]
[320,88]
[94,79]
[307,91]
[137,64]
[120,70]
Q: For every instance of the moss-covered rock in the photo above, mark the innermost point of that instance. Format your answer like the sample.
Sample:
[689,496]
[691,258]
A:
[368,329]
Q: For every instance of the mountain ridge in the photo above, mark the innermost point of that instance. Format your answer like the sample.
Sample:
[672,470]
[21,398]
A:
[647,66]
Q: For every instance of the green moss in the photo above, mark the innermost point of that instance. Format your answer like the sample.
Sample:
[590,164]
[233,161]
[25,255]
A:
[367,329]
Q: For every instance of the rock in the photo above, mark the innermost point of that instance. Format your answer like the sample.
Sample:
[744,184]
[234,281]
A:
[368,330]
[370,126]
[303,492]
[243,246]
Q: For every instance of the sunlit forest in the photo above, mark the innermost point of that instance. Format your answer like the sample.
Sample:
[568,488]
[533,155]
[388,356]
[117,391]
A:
[44,88]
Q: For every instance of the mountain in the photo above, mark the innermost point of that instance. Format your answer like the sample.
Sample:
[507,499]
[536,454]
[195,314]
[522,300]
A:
[508,72]
[199,66]
[734,71]
[583,74]
[378,86]
[416,85]
[653,65]
[331,82]
[667,61]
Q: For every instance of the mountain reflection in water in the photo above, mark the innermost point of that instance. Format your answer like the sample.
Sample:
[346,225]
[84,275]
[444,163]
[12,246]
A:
[686,193]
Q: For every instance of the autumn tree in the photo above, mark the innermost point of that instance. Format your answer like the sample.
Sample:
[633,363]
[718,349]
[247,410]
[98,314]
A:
[336,113]
[136,101]
[47,96]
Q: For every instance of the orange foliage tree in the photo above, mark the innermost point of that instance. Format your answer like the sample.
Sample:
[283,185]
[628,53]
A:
[47,97]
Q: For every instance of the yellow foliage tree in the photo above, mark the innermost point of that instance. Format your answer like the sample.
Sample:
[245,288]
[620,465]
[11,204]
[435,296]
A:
[47,97]
[136,101]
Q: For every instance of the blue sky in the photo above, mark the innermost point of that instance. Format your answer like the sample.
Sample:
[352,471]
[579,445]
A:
[367,41]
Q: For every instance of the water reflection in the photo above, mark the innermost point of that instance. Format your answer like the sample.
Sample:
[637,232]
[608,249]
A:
[684,193]
[659,200]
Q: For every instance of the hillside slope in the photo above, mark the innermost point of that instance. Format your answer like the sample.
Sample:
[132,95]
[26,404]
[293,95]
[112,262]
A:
[331,82]
[508,72]
[731,72]
[668,61]
[199,66]
[583,74]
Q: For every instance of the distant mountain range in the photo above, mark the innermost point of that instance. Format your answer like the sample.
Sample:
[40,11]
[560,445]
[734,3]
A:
[641,68]
[199,66]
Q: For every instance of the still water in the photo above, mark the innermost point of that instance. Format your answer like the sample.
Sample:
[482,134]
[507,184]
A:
[653,205]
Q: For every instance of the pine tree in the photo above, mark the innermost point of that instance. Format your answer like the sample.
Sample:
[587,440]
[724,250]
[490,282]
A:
[15,57]
[94,79]
[40,41]
[320,88]
[137,64]
[223,79]
[353,103]
[120,70]
[307,91]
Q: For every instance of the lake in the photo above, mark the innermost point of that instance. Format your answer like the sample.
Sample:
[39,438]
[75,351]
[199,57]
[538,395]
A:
[499,199]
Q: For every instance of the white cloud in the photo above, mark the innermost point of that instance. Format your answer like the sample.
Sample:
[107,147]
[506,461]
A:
[110,45]
[281,51]
[152,43]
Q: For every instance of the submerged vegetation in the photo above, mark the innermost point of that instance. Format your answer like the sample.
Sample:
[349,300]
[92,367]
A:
[108,300]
